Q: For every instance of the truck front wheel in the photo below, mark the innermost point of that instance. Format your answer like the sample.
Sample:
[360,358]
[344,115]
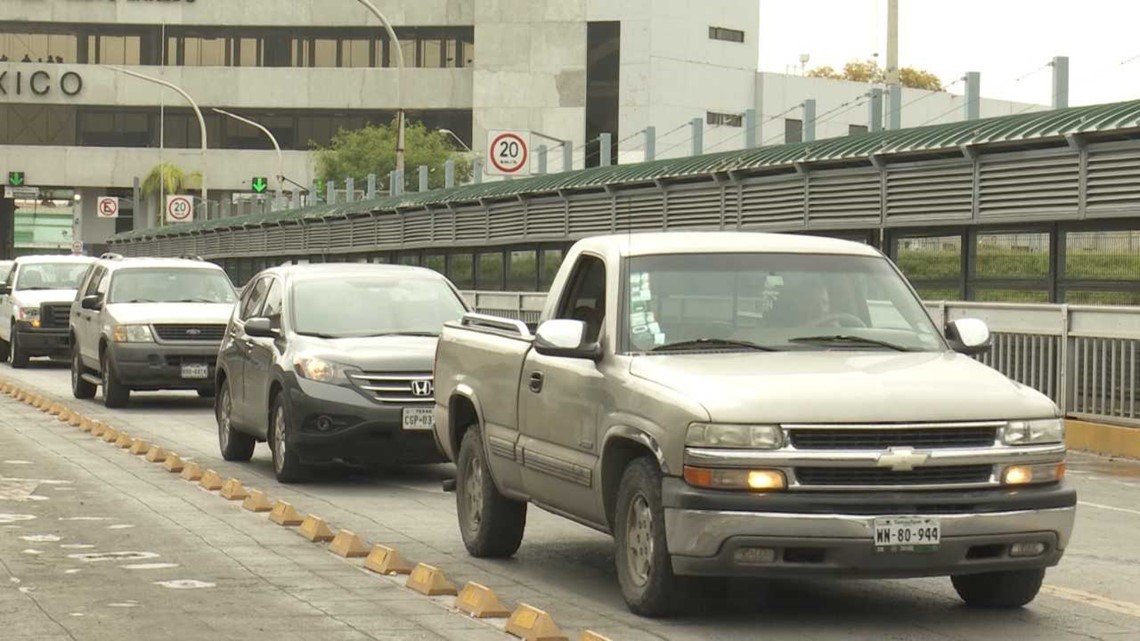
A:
[999,590]
[643,567]
[491,524]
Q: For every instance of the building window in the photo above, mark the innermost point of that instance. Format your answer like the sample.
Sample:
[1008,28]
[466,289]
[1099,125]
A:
[726,120]
[460,270]
[523,274]
[728,35]
[793,130]
[856,130]
[551,261]
[490,274]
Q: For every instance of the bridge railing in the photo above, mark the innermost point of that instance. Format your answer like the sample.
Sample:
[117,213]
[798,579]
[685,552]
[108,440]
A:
[1086,358]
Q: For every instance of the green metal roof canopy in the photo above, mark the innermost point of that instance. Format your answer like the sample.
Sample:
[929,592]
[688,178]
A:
[1039,125]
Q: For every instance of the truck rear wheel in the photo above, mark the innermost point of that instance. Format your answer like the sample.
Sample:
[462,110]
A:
[115,394]
[491,524]
[999,590]
[18,356]
[644,569]
[80,388]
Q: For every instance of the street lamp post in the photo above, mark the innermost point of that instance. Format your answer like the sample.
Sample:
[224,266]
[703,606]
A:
[272,139]
[399,82]
[457,139]
[201,124]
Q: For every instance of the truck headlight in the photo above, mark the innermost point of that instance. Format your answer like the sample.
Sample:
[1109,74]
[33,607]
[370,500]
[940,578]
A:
[132,334]
[30,315]
[1037,432]
[319,370]
[757,437]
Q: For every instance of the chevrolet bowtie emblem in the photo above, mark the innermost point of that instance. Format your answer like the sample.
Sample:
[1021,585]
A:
[902,459]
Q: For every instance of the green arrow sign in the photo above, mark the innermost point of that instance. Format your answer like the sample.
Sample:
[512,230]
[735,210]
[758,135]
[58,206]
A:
[260,184]
[16,178]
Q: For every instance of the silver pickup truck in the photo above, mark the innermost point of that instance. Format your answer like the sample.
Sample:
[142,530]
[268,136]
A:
[732,404]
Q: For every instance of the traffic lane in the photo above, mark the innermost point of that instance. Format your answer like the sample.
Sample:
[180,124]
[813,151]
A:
[568,569]
[96,544]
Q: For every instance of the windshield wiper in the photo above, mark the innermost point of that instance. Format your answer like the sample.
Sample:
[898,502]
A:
[711,343]
[850,340]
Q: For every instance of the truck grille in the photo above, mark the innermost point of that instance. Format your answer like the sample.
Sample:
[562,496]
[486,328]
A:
[864,476]
[855,438]
[187,332]
[400,388]
[55,315]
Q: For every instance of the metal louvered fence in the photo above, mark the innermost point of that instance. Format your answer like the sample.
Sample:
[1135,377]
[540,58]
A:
[1085,358]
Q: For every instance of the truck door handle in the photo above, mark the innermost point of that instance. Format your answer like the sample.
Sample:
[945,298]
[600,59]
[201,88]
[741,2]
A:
[535,382]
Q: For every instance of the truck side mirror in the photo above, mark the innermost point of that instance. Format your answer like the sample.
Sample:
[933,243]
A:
[968,336]
[5,289]
[94,301]
[565,338]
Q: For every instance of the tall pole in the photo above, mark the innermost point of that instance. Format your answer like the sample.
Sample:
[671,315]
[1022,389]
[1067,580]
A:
[399,81]
[894,90]
[162,135]
[197,112]
[277,147]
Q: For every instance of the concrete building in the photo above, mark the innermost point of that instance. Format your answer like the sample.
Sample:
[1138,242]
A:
[567,70]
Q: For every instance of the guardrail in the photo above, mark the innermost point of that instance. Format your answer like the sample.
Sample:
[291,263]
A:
[1086,358]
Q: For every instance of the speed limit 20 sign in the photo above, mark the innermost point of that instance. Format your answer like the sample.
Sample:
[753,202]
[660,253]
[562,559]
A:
[508,152]
[179,209]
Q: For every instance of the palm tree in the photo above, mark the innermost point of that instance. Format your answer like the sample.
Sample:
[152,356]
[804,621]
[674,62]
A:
[168,178]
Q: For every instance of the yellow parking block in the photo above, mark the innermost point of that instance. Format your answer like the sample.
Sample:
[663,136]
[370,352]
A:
[86,424]
[590,635]
[156,454]
[430,581]
[97,430]
[232,490]
[124,441]
[531,624]
[348,545]
[110,435]
[481,602]
[139,447]
[55,409]
[315,529]
[74,419]
[211,481]
[257,501]
[386,560]
[192,472]
[285,514]
[173,463]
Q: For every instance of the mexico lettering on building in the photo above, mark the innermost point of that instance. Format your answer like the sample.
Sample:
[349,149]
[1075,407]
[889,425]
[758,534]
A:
[39,83]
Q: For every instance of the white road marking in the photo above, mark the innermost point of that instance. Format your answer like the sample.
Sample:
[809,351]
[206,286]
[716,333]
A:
[120,526]
[1095,600]
[76,546]
[15,518]
[72,571]
[41,538]
[95,557]
[76,614]
[33,552]
[186,584]
[125,604]
[36,497]
[84,518]
[151,566]
[1112,508]
[11,462]
[28,590]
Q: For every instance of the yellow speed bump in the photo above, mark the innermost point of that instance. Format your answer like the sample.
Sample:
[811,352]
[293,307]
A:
[156,454]
[22,396]
[86,424]
[110,435]
[64,415]
[481,602]
[42,403]
[124,441]
[348,545]
[192,472]
[173,463]
[97,430]
[315,529]
[284,513]
[139,447]
[386,560]
[55,409]
[531,624]
[211,481]
[257,501]
[74,419]
[590,635]
[232,490]
[430,581]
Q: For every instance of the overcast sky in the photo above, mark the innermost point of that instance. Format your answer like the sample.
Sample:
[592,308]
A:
[1006,40]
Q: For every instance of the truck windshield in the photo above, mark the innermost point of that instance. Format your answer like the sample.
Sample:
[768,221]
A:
[357,306]
[772,301]
[50,276]
[177,285]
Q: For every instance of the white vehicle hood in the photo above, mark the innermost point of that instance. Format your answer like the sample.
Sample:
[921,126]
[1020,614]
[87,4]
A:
[177,313]
[37,297]
[843,387]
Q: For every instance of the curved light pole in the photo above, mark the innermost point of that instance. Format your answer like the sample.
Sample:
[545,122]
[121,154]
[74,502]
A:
[399,82]
[201,124]
[457,139]
[272,139]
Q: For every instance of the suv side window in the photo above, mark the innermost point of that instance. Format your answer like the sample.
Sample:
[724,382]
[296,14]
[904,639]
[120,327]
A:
[93,281]
[12,275]
[585,299]
[253,299]
[274,300]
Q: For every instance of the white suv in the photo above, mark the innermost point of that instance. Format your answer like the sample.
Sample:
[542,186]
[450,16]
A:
[35,303]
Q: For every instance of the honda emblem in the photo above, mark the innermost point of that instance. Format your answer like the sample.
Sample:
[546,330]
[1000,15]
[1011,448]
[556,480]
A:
[423,388]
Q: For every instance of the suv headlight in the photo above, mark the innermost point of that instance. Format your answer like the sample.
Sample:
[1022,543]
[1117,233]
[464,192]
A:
[132,334]
[758,437]
[319,370]
[1036,432]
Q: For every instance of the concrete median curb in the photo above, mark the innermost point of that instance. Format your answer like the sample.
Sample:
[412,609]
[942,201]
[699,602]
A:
[1101,438]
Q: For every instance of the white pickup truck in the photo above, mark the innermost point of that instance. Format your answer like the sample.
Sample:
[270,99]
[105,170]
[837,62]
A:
[732,404]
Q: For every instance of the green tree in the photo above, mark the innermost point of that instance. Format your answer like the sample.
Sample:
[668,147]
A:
[372,150]
[869,71]
[167,178]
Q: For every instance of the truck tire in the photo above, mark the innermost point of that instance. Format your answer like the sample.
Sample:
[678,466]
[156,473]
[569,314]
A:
[234,445]
[491,524]
[5,349]
[115,394]
[80,388]
[286,464]
[644,569]
[999,590]
[19,356]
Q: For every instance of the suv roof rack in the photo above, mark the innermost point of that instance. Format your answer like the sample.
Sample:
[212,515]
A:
[111,256]
[192,257]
